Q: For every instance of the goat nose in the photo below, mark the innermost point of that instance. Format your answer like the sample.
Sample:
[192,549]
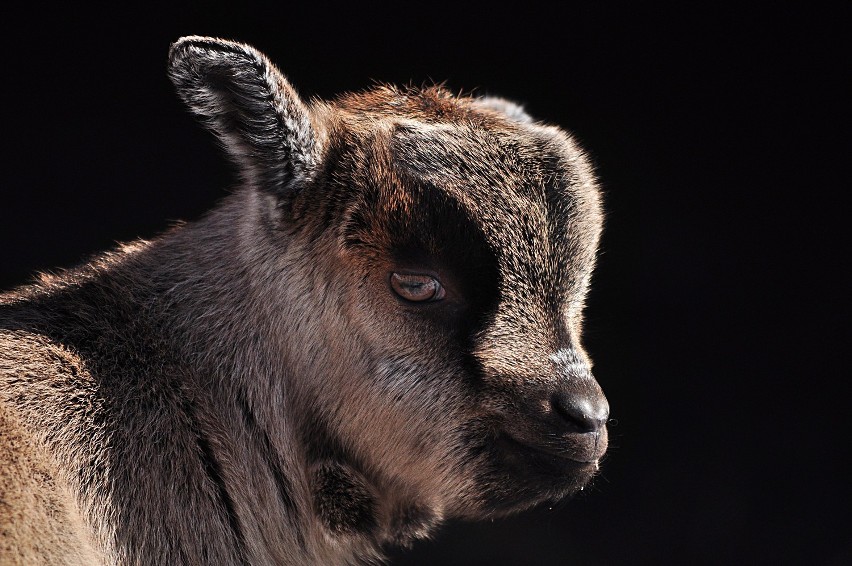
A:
[583,413]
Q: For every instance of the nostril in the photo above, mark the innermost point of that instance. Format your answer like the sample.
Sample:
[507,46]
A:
[582,413]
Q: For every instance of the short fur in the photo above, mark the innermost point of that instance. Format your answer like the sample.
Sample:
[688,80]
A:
[248,388]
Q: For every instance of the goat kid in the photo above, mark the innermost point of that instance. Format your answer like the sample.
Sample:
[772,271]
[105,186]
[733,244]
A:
[380,330]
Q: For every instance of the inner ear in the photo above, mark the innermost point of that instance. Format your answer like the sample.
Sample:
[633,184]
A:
[239,95]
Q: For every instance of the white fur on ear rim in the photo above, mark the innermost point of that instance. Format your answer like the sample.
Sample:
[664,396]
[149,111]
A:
[511,109]
[240,95]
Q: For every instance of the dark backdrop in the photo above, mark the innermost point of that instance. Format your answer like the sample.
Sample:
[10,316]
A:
[717,311]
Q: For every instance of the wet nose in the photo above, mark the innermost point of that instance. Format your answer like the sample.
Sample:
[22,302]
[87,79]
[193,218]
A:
[581,412]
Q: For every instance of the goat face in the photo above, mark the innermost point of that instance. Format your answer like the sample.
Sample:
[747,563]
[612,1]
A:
[443,247]
[470,243]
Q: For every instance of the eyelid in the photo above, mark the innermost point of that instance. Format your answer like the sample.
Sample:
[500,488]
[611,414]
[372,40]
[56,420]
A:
[402,282]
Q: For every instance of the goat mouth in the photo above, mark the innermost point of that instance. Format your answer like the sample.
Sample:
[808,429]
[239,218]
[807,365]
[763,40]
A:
[526,474]
[536,459]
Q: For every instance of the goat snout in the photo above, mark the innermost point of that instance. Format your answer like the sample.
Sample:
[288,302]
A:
[584,412]
[565,427]
[576,423]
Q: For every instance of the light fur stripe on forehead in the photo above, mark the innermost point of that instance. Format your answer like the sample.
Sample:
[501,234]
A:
[433,151]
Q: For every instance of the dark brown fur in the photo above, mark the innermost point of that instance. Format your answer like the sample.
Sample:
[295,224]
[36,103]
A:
[248,389]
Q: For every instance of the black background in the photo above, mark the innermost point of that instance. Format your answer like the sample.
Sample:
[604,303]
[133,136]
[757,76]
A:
[717,315]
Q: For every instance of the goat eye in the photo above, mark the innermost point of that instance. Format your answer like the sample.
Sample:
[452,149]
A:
[416,288]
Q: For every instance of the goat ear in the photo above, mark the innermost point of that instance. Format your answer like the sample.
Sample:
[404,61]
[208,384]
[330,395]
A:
[512,110]
[238,93]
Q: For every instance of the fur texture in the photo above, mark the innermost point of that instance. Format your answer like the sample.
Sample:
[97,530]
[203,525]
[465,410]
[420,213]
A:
[249,388]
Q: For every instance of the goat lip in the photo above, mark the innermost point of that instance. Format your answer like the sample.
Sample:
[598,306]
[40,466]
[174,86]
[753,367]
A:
[528,473]
[539,452]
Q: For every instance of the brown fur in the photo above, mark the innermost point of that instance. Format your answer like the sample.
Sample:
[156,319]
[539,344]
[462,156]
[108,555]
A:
[248,389]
